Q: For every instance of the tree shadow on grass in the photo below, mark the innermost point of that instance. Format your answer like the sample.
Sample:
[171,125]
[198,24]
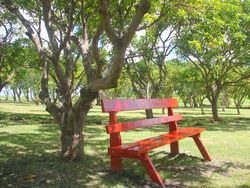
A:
[187,169]
[227,124]
[31,160]
[176,172]
[8,119]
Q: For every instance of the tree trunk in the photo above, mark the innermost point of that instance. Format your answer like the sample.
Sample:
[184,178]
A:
[149,113]
[101,95]
[26,94]
[14,95]
[98,101]
[195,102]
[1,87]
[6,93]
[72,124]
[215,109]
[202,108]
[238,109]
[19,97]
[163,110]
[72,141]
[223,107]
[191,103]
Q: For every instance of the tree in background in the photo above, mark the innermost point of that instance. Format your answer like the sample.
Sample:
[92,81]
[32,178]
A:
[20,58]
[75,29]
[6,92]
[216,41]
[239,92]
[8,32]
[123,89]
[189,85]
[146,63]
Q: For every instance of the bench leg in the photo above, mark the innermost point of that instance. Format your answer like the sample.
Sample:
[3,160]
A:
[201,147]
[152,172]
[116,163]
[174,148]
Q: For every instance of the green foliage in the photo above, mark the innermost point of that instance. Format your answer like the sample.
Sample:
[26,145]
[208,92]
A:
[123,89]
[15,56]
[215,40]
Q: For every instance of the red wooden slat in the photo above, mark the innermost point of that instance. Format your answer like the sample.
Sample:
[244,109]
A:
[147,145]
[151,170]
[201,147]
[119,127]
[116,105]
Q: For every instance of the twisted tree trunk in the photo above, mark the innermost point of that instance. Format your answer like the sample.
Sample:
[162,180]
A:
[72,137]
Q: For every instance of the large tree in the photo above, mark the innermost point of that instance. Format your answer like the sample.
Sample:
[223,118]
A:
[75,30]
[216,40]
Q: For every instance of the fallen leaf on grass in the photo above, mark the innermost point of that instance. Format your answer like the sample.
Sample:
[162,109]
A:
[30,177]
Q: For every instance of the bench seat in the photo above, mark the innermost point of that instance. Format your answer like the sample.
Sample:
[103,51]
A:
[146,145]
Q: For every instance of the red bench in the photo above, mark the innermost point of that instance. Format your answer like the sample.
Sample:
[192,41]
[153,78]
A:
[139,149]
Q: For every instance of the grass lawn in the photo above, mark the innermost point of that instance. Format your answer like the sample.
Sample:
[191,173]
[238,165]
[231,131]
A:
[30,145]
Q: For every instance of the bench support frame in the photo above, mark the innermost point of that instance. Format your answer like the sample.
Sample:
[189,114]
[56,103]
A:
[174,147]
[151,170]
[115,140]
[201,147]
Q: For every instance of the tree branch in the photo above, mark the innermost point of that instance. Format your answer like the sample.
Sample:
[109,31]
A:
[96,53]
[120,45]
[141,10]
[106,22]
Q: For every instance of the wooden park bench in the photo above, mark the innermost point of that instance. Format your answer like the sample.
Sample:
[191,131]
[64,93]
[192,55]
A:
[139,149]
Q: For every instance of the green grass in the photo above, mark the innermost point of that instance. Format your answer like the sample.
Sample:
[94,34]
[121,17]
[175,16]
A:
[30,146]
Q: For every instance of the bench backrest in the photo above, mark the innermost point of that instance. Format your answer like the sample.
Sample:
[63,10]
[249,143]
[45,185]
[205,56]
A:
[115,105]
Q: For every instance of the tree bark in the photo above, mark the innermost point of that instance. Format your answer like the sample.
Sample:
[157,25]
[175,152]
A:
[238,108]
[72,141]
[6,93]
[215,109]
[26,94]
[202,108]
[194,101]
[72,124]
[223,107]
[1,87]
[19,97]
[14,94]
[149,113]
[213,96]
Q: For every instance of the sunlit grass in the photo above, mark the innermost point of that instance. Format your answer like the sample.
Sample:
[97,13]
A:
[30,148]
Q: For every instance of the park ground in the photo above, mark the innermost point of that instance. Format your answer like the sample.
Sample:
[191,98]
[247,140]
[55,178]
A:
[30,146]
